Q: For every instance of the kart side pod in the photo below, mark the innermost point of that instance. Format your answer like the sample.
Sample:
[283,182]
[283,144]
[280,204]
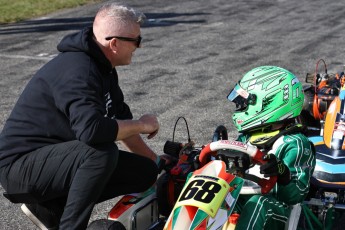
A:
[334,127]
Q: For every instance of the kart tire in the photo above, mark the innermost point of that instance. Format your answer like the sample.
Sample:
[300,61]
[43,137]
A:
[167,192]
[105,224]
[164,206]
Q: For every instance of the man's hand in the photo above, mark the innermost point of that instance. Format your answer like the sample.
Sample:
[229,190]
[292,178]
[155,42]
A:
[151,125]
[275,167]
[147,124]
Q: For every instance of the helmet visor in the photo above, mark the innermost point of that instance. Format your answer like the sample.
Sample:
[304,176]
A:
[239,96]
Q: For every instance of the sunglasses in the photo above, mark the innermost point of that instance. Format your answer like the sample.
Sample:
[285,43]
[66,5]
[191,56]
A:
[136,40]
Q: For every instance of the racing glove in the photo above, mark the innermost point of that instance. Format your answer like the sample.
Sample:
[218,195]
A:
[275,167]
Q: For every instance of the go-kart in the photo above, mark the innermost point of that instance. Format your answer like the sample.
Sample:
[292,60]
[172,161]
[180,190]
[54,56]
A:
[320,90]
[211,192]
[200,189]
[325,206]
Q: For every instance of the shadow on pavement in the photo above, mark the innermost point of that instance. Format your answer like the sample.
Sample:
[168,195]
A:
[64,24]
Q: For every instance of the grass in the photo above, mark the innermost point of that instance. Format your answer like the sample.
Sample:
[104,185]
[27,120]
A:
[18,10]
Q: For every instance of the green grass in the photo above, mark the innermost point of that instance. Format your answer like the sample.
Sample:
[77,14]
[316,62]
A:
[18,10]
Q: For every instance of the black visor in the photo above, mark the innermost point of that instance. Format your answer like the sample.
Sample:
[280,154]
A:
[241,98]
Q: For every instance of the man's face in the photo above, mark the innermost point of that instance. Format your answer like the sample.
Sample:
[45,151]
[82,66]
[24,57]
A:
[127,42]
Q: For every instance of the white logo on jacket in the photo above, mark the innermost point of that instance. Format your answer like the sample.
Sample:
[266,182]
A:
[108,105]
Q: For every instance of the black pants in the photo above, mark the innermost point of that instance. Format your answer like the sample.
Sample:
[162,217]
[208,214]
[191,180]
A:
[72,177]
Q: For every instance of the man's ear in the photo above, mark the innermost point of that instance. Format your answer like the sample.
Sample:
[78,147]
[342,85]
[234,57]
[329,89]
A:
[113,45]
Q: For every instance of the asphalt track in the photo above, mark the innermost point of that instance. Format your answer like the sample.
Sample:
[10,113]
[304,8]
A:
[193,53]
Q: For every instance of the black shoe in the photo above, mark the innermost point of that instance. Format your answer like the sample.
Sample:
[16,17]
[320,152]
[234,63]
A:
[40,216]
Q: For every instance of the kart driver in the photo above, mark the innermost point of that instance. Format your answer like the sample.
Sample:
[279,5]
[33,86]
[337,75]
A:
[268,103]
[58,154]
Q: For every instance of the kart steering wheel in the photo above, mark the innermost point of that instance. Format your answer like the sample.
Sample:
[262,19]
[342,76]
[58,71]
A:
[254,153]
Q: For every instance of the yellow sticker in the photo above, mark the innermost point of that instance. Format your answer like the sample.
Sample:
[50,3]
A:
[205,192]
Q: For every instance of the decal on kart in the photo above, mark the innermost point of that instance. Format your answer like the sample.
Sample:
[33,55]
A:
[206,193]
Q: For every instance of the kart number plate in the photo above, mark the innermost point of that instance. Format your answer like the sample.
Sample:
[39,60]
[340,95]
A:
[204,192]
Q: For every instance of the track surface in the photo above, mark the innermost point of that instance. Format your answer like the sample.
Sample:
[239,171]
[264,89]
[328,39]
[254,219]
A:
[193,53]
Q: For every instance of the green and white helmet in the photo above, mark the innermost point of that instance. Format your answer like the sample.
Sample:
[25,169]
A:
[266,95]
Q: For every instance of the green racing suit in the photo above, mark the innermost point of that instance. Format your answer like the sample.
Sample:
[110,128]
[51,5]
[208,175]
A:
[272,211]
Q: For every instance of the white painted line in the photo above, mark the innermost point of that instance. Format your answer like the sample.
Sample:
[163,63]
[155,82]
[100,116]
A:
[27,57]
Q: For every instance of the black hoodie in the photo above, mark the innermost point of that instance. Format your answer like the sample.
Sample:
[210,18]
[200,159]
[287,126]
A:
[75,96]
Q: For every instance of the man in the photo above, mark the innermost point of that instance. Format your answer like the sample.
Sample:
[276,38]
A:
[57,149]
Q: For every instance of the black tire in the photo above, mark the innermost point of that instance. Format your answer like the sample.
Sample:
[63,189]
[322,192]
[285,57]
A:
[168,190]
[105,224]
[164,205]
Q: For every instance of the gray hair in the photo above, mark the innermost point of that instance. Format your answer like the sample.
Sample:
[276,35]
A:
[121,13]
